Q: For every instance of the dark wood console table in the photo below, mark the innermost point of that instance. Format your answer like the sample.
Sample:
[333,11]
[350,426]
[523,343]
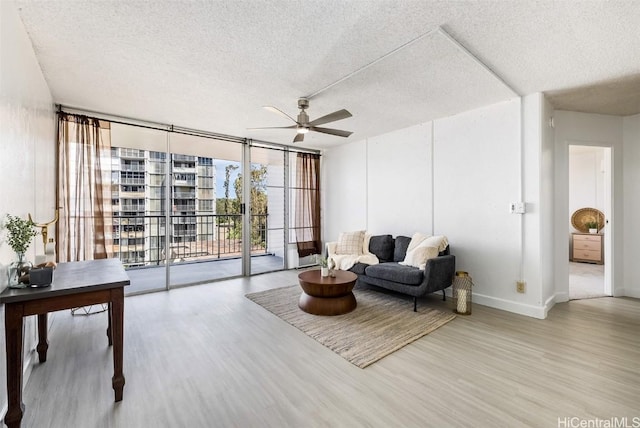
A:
[74,284]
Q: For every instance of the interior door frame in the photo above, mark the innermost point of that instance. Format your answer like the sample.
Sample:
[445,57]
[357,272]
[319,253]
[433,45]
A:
[608,208]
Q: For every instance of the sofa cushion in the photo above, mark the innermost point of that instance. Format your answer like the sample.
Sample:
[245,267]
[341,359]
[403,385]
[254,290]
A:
[401,245]
[358,268]
[396,273]
[350,243]
[382,247]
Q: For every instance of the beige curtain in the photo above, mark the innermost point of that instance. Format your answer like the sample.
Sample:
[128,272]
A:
[307,197]
[84,188]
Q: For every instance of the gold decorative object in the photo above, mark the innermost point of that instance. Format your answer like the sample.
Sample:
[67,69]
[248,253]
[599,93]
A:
[44,227]
[583,216]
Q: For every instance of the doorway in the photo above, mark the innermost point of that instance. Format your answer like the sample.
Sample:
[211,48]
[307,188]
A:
[590,187]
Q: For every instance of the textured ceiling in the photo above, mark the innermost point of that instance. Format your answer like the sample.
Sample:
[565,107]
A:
[212,65]
[620,97]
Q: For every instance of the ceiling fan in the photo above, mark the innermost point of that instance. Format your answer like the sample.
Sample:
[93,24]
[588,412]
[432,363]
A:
[303,125]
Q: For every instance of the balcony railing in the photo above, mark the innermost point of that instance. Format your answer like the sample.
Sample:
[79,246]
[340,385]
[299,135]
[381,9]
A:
[178,182]
[132,168]
[183,158]
[182,207]
[137,181]
[215,236]
[131,153]
[184,195]
[184,219]
[132,207]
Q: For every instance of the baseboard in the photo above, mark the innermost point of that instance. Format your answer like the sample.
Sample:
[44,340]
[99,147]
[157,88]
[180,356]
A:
[30,359]
[29,363]
[539,312]
[562,296]
[27,368]
[626,292]
[550,303]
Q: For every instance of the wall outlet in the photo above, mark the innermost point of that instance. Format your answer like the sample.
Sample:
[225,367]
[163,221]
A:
[517,207]
[521,286]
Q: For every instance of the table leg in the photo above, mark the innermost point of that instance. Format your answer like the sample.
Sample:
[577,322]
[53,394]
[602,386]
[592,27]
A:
[13,335]
[117,330]
[109,326]
[43,343]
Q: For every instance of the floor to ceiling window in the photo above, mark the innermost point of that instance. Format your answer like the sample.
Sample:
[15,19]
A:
[204,243]
[139,171]
[176,206]
[268,208]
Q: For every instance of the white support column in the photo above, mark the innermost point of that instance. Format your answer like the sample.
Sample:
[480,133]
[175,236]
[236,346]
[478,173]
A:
[246,200]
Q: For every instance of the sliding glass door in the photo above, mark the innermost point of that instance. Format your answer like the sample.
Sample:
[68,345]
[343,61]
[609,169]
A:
[138,180]
[267,210]
[179,202]
[205,223]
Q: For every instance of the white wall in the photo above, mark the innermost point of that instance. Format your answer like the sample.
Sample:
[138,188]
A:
[477,174]
[455,176]
[537,267]
[27,148]
[399,183]
[586,178]
[344,189]
[572,128]
[372,184]
[631,164]
[474,163]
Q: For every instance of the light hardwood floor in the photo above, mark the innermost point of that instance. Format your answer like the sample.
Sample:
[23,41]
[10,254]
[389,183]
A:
[205,356]
[586,280]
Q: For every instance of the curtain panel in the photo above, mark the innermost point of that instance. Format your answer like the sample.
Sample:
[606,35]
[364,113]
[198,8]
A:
[85,226]
[307,198]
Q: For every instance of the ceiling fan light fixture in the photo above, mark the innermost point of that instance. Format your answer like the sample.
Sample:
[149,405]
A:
[303,125]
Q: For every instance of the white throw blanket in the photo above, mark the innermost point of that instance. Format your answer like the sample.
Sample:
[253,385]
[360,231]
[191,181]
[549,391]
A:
[346,261]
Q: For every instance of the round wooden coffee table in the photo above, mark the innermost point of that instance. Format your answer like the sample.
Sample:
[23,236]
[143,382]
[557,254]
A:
[327,295]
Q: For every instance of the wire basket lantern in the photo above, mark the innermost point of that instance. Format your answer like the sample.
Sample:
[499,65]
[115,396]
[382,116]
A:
[462,283]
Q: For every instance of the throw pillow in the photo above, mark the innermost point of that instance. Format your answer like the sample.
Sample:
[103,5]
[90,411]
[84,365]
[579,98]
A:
[418,257]
[416,240]
[350,243]
[400,248]
[382,247]
[440,242]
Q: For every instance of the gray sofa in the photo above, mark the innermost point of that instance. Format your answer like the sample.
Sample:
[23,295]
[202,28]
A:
[389,274]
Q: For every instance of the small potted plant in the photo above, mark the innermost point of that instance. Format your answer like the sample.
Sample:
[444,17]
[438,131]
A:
[19,236]
[592,226]
[322,262]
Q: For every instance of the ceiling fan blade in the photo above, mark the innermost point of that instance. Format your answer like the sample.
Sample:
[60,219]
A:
[337,132]
[274,127]
[331,117]
[280,112]
[298,138]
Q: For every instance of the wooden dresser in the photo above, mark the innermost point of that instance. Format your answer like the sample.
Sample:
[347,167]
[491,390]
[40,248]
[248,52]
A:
[587,248]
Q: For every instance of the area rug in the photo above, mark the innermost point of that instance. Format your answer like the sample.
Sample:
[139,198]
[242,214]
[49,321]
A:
[380,325]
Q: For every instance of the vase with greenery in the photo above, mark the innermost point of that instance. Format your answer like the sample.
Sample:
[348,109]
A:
[322,261]
[592,226]
[19,235]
